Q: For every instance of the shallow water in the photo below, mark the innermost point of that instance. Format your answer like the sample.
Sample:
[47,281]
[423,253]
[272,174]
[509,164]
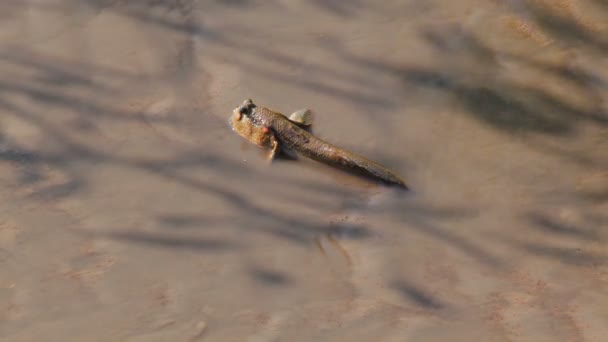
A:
[131,211]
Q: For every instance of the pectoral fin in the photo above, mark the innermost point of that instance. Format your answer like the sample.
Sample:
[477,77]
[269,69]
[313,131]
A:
[302,117]
[275,148]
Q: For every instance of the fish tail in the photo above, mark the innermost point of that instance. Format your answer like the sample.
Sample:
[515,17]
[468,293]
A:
[349,161]
[365,166]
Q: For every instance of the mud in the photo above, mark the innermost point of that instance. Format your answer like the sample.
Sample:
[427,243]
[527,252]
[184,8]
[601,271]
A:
[131,211]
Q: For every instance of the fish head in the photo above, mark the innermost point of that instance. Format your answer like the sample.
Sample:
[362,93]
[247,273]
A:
[242,112]
[245,109]
[241,123]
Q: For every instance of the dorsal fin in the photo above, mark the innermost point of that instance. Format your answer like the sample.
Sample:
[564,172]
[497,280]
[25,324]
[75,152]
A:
[302,117]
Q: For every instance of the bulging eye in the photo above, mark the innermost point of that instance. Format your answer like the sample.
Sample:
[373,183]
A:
[243,110]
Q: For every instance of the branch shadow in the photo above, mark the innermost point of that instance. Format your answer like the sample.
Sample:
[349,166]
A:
[573,256]
[570,29]
[549,225]
[473,77]
[417,296]
[270,277]
[169,241]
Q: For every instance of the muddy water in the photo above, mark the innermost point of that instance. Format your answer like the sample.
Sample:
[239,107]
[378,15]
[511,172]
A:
[131,212]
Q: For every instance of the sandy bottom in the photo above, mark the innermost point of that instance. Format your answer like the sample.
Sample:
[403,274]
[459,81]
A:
[131,212]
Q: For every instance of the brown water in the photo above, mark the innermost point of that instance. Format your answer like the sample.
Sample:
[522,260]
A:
[131,212]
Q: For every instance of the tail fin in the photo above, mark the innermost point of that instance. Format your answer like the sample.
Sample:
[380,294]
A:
[349,161]
[372,169]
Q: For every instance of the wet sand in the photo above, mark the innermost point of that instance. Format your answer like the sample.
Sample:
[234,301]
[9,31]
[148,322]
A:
[131,212]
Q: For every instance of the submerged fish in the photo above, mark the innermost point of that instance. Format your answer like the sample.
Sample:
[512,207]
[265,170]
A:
[291,136]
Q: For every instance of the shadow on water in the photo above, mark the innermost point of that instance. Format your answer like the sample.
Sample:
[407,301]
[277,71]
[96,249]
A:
[270,277]
[550,225]
[340,8]
[437,223]
[191,243]
[505,105]
[562,22]
[417,295]
[573,256]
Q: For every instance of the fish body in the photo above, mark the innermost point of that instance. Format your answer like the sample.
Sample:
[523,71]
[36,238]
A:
[290,135]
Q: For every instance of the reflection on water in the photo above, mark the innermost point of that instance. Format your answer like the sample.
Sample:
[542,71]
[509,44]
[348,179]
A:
[130,204]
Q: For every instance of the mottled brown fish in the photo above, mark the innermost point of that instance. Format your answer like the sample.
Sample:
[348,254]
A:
[290,136]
